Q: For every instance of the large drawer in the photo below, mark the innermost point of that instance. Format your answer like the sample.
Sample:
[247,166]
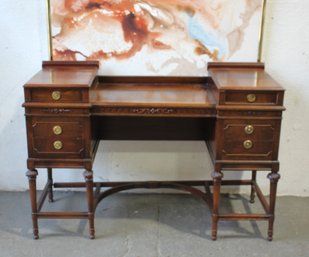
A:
[249,139]
[56,137]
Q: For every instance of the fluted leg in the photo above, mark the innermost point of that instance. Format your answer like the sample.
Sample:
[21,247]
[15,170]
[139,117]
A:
[32,174]
[88,175]
[217,177]
[50,187]
[273,177]
[252,195]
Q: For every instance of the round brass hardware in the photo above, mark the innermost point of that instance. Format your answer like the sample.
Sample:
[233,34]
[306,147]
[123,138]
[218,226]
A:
[251,98]
[57,130]
[58,145]
[248,144]
[249,129]
[56,95]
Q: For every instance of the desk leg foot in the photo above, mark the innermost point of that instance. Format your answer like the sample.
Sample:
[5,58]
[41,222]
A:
[88,175]
[35,227]
[217,177]
[50,187]
[273,177]
[91,227]
[252,194]
[270,236]
[32,174]
[214,228]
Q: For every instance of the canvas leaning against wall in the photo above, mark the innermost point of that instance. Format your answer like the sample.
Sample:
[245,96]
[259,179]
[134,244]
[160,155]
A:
[155,37]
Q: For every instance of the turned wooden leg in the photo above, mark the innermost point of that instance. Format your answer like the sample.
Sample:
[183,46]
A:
[88,175]
[50,182]
[252,195]
[32,174]
[273,177]
[217,177]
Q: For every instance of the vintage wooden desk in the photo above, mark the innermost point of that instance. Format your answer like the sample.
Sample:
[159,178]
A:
[236,110]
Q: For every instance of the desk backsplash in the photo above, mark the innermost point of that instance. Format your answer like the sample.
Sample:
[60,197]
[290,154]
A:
[155,37]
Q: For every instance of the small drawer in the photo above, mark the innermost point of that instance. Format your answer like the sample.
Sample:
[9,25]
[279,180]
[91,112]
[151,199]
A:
[58,95]
[251,98]
[248,139]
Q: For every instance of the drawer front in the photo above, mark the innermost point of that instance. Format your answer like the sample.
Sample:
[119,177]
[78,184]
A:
[54,137]
[58,95]
[251,98]
[249,139]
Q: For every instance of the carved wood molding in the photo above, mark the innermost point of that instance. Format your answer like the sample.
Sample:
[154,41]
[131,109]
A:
[56,110]
[153,111]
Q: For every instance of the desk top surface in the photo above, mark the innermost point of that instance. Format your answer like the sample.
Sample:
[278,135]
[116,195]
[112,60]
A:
[224,77]
[154,91]
[63,76]
[171,94]
[243,79]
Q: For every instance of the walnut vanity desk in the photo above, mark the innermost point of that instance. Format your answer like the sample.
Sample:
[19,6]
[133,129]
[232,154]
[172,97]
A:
[236,110]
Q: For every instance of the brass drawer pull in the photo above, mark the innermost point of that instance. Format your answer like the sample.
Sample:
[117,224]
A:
[249,129]
[248,144]
[57,130]
[58,145]
[251,98]
[56,95]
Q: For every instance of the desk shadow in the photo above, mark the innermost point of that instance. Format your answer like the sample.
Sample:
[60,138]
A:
[183,213]
[15,214]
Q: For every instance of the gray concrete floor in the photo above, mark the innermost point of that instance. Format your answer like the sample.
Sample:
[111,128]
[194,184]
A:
[152,225]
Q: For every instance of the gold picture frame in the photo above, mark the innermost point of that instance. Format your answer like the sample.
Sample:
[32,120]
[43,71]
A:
[261,37]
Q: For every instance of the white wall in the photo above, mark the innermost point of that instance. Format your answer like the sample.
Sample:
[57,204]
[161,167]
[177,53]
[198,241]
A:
[23,44]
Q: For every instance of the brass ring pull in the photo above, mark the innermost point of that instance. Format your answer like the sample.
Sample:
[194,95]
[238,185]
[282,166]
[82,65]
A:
[57,130]
[251,98]
[249,129]
[58,145]
[248,144]
[56,95]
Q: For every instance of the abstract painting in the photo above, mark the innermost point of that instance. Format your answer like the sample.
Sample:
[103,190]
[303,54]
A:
[155,37]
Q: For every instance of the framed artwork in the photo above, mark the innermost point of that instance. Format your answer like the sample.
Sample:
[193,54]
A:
[155,37]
